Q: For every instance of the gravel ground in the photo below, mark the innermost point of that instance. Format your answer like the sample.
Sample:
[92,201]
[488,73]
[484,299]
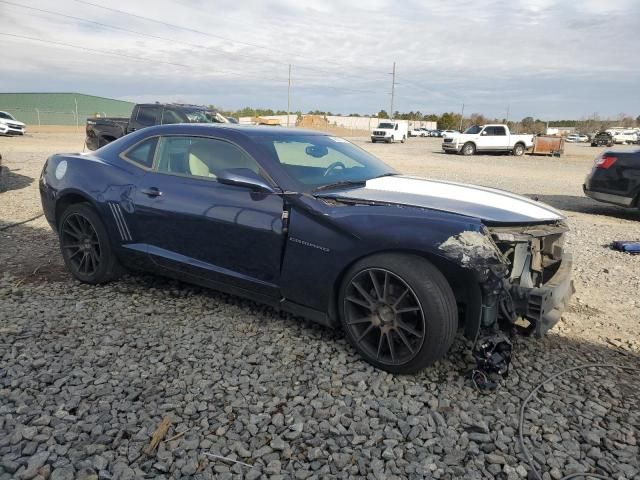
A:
[88,373]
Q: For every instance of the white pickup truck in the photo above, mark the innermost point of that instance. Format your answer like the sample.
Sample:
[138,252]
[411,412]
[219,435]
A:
[487,138]
[390,131]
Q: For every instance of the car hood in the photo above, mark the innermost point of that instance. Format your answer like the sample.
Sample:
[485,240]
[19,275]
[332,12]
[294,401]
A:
[451,134]
[488,204]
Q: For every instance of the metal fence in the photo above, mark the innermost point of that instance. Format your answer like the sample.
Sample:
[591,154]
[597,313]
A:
[44,116]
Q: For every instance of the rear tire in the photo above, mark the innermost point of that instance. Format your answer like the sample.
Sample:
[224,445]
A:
[398,311]
[85,245]
[468,149]
[518,150]
[403,139]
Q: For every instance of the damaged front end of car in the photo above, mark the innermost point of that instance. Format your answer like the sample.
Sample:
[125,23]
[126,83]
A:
[525,278]
[539,283]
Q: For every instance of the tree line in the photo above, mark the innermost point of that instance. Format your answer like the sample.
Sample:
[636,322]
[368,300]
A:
[455,121]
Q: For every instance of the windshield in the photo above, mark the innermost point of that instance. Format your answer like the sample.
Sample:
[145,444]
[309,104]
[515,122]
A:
[197,116]
[6,115]
[317,160]
[473,129]
[386,125]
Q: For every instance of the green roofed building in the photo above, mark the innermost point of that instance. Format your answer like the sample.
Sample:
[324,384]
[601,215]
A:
[61,108]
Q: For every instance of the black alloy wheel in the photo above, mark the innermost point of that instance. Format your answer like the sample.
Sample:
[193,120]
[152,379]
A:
[85,245]
[398,311]
[384,316]
[80,240]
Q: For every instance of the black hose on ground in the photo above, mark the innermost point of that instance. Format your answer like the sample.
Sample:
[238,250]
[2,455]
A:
[525,450]
[11,225]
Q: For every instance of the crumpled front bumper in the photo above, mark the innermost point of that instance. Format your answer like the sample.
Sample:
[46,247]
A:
[543,306]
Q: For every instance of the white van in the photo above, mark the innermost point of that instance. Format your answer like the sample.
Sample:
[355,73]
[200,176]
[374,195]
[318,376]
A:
[390,131]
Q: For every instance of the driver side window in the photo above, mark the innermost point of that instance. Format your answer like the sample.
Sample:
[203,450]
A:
[201,156]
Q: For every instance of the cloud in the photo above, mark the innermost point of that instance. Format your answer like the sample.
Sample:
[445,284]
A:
[536,55]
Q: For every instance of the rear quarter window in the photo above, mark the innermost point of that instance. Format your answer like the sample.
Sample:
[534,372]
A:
[143,153]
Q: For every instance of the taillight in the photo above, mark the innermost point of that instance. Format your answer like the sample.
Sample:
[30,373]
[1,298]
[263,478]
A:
[606,161]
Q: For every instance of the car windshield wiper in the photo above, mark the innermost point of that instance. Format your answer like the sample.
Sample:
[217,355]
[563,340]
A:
[344,183]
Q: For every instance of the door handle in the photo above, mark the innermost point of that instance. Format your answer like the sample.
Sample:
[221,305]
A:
[151,192]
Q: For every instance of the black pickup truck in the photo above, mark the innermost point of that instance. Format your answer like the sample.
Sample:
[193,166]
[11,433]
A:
[103,130]
[602,139]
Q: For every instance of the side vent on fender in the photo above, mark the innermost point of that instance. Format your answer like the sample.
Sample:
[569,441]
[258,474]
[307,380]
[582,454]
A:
[121,223]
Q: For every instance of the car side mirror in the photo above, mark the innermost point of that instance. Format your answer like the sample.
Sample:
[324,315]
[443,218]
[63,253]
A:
[243,177]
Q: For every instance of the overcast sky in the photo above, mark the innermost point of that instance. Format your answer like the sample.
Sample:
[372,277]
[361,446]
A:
[544,58]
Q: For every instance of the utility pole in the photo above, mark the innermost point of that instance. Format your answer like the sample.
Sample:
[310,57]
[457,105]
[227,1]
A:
[461,117]
[289,97]
[508,108]
[76,102]
[393,88]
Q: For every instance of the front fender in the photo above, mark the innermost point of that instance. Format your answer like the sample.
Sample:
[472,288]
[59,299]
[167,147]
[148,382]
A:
[326,243]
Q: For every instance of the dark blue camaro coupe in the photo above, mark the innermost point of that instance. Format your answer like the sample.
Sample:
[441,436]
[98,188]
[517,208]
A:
[313,225]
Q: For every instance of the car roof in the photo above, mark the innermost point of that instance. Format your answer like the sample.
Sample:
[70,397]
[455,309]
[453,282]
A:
[246,130]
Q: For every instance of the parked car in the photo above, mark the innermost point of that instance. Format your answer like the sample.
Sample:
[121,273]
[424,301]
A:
[415,132]
[615,178]
[576,138]
[312,224]
[103,130]
[487,138]
[10,126]
[390,131]
[602,139]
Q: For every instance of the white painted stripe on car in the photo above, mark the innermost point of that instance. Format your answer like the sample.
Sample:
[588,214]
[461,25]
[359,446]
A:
[124,222]
[117,220]
[466,193]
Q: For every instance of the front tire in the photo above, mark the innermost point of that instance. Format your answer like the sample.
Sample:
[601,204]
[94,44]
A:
[85,245]
[398,311]
[468,149]
[403,139]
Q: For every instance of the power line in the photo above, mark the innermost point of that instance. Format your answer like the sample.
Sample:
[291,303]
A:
[115,54]
[103,52]
[243,74]
[172,41]
[219,37]
[135,57]
[167,24]
[134,32]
